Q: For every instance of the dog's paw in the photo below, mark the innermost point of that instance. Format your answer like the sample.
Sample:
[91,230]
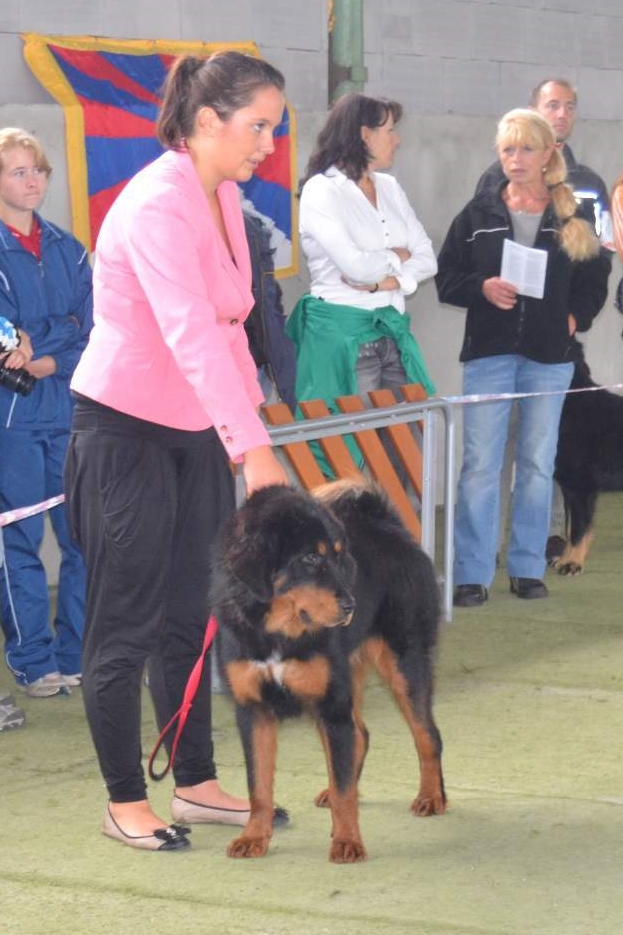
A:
[568,569]
[322,799]
[248,847]
[424,806]
[554,550]
[347,852]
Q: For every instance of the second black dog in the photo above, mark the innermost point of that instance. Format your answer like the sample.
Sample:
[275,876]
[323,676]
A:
[589,460]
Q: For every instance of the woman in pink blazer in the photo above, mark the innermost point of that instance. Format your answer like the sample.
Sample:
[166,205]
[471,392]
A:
[166,398]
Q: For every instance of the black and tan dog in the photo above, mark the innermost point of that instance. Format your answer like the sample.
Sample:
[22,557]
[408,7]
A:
[309,591]
[589,460]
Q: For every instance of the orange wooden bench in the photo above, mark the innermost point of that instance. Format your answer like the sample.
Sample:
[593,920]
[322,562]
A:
[377,463]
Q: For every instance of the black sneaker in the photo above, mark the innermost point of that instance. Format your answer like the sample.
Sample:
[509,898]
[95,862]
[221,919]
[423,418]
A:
[528,588]
[469,595]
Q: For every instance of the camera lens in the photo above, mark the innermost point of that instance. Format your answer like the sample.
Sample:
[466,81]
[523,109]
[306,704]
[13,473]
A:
[17,381]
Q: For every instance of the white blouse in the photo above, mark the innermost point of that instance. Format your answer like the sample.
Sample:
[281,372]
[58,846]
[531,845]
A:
[344,237]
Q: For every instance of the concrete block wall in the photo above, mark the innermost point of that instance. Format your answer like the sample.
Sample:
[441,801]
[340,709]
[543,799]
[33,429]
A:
[456,65]
[448,57]
[292,35]
[476,57]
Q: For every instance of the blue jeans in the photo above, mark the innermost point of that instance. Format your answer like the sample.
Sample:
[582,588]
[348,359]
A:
[485,427]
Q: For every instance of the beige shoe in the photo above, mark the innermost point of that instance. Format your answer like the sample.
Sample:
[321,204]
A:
[192,813]
[172,838]
[47,686]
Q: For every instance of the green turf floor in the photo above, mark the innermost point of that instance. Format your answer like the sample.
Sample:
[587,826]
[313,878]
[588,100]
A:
[530,705]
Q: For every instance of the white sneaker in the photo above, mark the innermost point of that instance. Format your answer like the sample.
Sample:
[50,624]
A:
[10,715]
[48,685]
[74,680]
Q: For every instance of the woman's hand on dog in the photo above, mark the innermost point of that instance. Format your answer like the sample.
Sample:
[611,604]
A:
[261,468]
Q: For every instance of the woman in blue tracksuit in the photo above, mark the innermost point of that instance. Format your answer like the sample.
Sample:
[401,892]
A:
[45,292]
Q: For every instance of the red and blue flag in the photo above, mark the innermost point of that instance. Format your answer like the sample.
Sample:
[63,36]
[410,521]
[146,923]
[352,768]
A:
[110,92]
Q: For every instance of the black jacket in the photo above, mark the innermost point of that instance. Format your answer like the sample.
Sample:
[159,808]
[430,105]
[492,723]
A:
[269,344]
[535,328]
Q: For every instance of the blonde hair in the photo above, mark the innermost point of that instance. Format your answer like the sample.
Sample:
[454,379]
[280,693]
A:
[523,126]
[10,137]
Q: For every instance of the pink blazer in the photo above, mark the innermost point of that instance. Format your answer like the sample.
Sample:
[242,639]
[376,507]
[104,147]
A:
[168,343]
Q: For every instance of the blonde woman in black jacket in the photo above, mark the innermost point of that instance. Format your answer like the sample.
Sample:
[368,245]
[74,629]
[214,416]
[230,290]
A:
[516,343]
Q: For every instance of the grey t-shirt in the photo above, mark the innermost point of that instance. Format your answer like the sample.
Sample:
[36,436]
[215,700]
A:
[525,227]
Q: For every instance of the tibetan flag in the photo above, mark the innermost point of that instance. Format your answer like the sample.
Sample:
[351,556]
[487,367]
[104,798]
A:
[110,93]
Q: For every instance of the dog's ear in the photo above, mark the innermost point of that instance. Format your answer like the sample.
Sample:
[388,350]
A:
[247,557]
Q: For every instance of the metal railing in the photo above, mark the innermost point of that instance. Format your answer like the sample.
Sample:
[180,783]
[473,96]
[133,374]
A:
[428,412]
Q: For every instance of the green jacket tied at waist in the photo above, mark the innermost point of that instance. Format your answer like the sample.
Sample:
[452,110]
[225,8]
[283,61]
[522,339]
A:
[328,337]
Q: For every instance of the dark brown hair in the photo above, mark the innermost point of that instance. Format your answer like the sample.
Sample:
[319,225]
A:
[226,82]
[340,143]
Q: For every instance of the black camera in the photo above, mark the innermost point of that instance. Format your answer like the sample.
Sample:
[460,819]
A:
[17,381]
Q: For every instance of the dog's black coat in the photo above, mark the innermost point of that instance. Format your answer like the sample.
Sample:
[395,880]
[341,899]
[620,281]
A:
[289,571]
[589,460]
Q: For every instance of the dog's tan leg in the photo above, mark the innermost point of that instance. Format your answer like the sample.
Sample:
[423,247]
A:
[346,844]
[259,737]
[322,799]
[571,562]
[431,798]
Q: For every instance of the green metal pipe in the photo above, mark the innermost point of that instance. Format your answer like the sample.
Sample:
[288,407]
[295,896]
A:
[346,69]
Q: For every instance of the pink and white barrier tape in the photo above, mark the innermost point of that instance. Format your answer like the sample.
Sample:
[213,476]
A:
[23,512]
[13,516]
[496,397]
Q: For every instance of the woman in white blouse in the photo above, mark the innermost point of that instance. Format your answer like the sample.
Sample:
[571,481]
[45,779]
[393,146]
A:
[366,251]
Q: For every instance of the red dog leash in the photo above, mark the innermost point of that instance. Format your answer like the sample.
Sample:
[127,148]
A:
[187,702]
